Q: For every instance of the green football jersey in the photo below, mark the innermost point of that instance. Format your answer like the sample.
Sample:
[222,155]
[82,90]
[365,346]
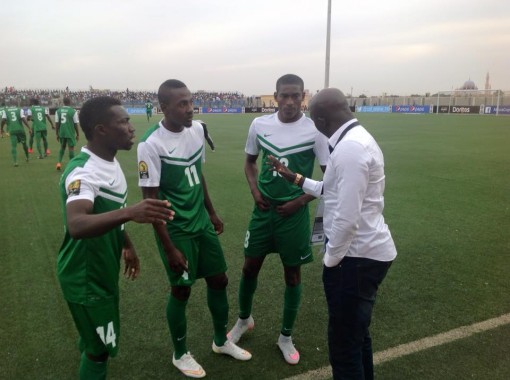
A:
[295,144]
[38,114]
[88,268]
[13,116]
[173,163]
[67,117]
[148,107]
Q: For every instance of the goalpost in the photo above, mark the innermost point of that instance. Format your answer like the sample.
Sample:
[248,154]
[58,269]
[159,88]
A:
[487,101]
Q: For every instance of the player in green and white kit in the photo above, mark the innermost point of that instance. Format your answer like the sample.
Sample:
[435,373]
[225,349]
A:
[2,109]
[170,158]
[94,191]
[66,121]
[148,109]
[39,114]
[14,117]
[280,221]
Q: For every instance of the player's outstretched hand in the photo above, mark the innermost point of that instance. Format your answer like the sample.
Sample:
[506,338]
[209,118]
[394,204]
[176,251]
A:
[151,211]
[132,263]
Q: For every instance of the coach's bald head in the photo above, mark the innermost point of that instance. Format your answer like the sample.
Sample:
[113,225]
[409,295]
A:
[329,110]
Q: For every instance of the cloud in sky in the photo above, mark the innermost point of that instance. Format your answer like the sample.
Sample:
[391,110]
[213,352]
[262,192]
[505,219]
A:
[393,46]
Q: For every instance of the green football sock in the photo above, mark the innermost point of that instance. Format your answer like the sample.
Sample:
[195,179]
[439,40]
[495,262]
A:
[91,370]
[71,154]
[176,318]
[247,287]
[38,144]
[25,149]
[218,305]
[60,154]
[292,300]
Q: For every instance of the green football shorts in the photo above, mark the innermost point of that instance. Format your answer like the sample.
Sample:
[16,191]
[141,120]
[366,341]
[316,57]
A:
[67,141]
[18,137]
[204,255]
[98,326]
[269,232]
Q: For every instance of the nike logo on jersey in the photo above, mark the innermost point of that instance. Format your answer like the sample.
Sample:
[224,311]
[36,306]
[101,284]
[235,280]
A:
[267,134]
[111,183]
[305,257]
[181,338]
[171,151]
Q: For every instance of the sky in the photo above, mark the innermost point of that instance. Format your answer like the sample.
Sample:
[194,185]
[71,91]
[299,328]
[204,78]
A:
[393,46]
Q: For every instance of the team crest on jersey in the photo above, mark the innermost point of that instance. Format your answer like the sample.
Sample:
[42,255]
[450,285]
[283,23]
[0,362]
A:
[74,188]
[143,170]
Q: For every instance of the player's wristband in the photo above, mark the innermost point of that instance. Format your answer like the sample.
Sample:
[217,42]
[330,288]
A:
[297,179]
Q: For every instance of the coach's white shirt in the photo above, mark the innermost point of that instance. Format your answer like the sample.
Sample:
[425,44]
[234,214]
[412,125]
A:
[353,187]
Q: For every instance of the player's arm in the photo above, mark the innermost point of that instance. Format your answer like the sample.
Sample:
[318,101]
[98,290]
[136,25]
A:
[291,207]
[51,121]
[176,260]
[76,125]
[57,125]
[24,121]
[76,131]
[215,219]
[82,223]
[294,205]
[251,171]
[131,261]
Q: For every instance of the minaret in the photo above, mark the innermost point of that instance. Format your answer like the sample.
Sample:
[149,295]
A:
[487,84]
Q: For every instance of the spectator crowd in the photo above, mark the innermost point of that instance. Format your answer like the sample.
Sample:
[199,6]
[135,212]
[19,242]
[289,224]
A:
[54,97]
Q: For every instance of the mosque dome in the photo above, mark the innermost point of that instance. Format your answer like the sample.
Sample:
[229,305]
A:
[469,85]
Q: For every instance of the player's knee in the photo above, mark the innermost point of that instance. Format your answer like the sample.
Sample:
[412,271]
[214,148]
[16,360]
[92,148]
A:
[292,276]
[218,282]
[250,271]
[251,267]
[98,358]
[182,293]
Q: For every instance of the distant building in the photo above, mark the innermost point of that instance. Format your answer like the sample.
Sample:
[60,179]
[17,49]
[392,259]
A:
[468,85]
[487,84]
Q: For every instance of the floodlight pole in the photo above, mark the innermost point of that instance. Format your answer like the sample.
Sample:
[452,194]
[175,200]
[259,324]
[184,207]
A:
[328,43]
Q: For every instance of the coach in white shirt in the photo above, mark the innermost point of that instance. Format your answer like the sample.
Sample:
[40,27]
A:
[359,248]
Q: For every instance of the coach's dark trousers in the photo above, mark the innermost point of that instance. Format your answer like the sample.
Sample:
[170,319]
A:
[351,288]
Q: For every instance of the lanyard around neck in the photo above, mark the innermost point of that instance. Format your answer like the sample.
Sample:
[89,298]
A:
[355,124]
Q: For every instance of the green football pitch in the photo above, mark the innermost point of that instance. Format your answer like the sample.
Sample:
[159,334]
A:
[447,203]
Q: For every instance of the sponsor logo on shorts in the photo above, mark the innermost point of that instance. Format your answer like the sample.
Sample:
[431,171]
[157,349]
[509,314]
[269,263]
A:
[143,170]
[74,188]
[306,256]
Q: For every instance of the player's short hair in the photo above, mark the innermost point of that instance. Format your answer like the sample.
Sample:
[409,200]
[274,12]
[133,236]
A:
[67,101]
[34,102]
[96,111]
[290,79]
[170,84]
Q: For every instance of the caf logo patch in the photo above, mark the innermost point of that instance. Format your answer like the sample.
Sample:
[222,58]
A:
[143,170]
[74,188]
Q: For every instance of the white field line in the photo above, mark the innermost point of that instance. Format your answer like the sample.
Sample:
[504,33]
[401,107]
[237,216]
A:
[417,345]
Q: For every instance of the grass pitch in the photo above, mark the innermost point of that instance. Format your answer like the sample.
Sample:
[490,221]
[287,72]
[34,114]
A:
[448,208]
